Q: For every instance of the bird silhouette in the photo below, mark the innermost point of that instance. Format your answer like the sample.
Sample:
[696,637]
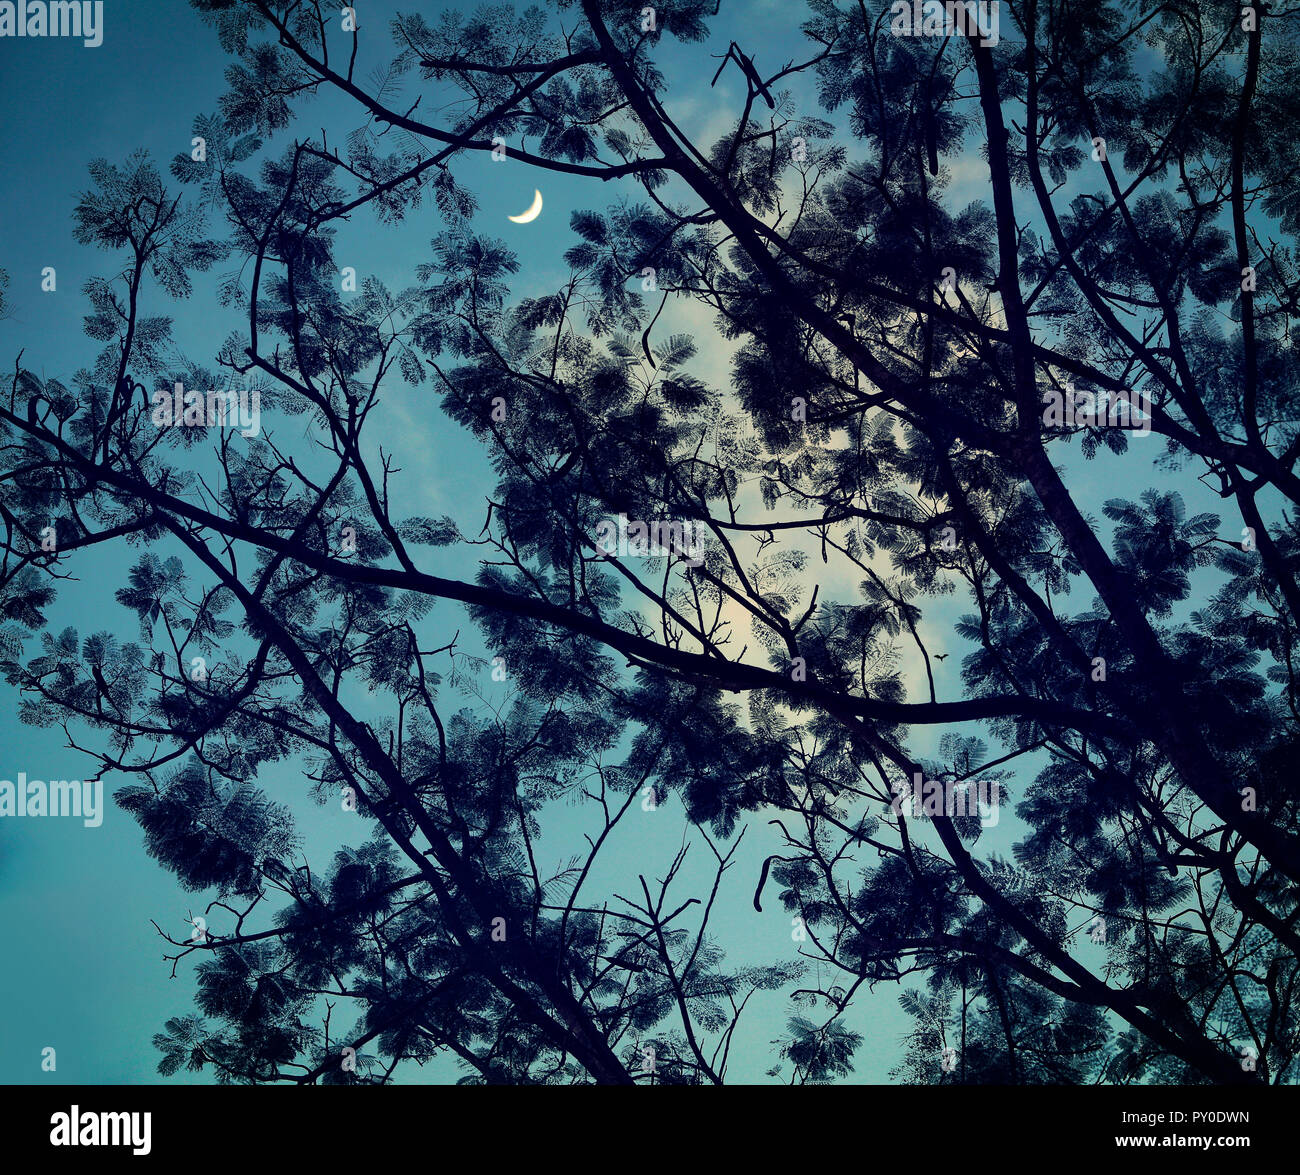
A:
[105,694]
[940,656]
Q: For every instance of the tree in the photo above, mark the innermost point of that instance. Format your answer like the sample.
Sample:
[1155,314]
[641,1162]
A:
[917,392]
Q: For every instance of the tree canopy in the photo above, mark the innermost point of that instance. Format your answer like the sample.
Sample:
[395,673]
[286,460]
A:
[1123,681]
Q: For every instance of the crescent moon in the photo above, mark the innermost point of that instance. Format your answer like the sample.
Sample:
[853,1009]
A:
[532,213]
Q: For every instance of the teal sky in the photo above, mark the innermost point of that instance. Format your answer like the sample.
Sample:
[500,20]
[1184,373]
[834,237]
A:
[84,973]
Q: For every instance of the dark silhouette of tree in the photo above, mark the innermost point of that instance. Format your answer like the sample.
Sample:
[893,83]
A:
[1129,681]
